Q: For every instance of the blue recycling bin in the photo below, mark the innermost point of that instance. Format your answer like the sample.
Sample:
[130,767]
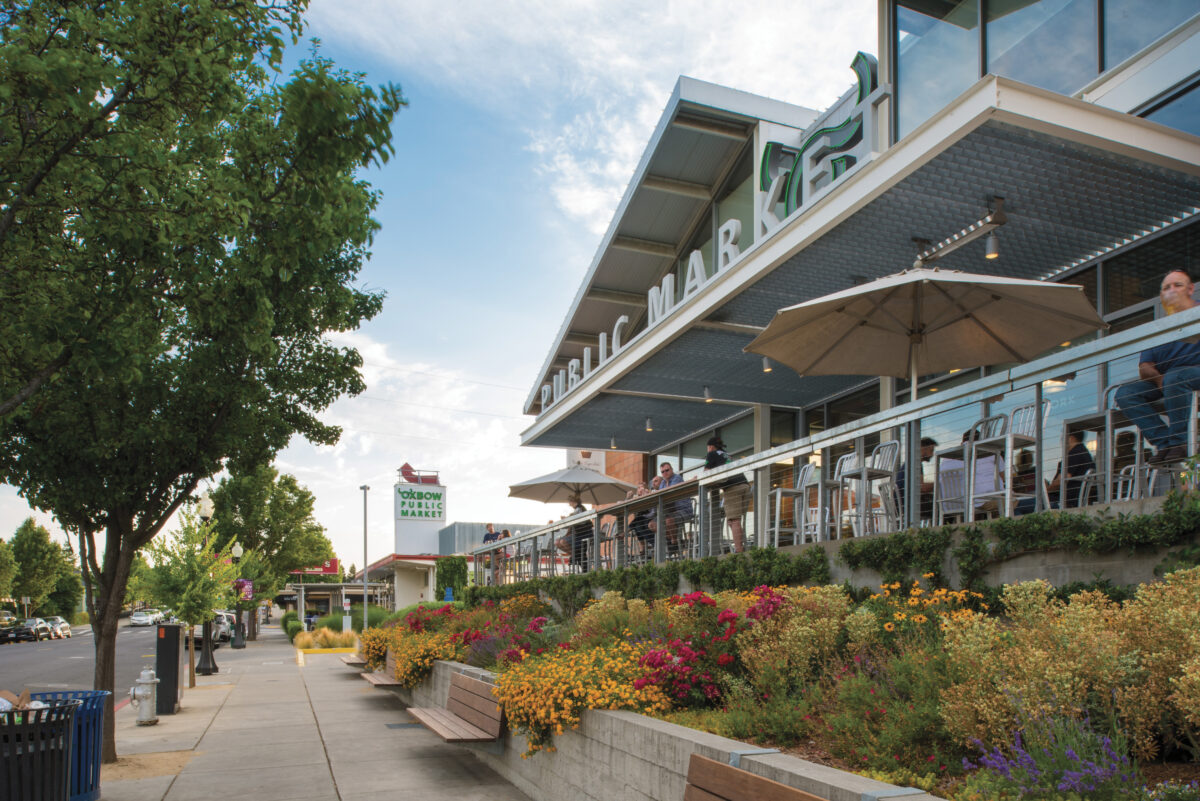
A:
[89,740]
[35,751]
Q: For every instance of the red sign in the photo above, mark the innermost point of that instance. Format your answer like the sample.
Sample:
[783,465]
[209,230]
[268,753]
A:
[328,568]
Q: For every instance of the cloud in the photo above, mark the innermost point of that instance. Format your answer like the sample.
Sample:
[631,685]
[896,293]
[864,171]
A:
[587,81]
[433,418]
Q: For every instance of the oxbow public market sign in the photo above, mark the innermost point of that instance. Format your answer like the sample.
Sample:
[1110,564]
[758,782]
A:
[415,503]
[791,174]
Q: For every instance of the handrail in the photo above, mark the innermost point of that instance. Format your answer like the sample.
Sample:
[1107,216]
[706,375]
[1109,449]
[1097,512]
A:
[1088,354]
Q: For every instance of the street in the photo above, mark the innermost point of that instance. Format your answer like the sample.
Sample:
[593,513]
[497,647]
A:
[68,664]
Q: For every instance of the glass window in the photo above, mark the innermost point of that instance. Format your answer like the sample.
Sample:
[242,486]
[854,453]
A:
[937,57]
[1087,280]
[738,437]
[702,242]
[1135,275]
[1128,27]
[738,204]
[1181,112]
[854,407]
[694,451]
[783,427]
[1048,43]
[815,418]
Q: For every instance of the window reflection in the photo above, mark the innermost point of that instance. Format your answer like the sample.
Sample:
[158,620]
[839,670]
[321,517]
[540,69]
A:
[1128,28]
[937,51]
[1135,276]
[1048,43]
[1181,112]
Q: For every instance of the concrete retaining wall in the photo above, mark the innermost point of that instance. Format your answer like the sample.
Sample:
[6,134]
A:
[623,755]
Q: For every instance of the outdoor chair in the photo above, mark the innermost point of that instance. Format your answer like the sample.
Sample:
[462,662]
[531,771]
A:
[950,494]
[829,516]
[1020,431]
[798,496]
[880,467]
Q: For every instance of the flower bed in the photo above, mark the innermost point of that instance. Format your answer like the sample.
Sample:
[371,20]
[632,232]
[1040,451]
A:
[917,684]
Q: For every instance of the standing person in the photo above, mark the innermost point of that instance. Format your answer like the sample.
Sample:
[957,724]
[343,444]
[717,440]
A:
[490,535]
[1168,374]
[735,492]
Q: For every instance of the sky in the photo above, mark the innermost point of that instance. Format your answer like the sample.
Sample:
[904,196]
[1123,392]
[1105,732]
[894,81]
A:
[524,125]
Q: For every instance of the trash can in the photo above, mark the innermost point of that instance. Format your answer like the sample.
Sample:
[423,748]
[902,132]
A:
[167,668]
[35,751]
[88,747]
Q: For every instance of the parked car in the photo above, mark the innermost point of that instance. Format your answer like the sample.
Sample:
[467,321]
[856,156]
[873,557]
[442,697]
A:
[142,617]
[156,614]
[33,629]
[223,626]
[7,630]
[59,628]
[198,635]
[7,617]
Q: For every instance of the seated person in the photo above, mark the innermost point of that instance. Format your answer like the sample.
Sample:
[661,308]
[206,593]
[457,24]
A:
[1168,374]
[574,542]
[1079,462]
[676,512]
[928,445]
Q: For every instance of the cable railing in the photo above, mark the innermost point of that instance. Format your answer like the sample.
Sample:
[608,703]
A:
[859,495]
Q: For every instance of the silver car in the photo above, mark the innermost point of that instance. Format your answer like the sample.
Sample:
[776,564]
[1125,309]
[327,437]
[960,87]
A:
[59,628]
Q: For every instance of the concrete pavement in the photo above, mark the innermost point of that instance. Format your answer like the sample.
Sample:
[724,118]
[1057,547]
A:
[265,728]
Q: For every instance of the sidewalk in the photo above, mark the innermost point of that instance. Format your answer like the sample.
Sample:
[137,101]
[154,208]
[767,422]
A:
[265,728]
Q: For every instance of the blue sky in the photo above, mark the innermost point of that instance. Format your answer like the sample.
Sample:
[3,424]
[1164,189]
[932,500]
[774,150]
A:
[524,125]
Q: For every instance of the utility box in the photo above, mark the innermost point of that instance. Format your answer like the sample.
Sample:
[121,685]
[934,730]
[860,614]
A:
[168,657]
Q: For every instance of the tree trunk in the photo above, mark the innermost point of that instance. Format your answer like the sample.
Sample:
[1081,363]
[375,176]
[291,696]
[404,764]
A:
[104,630]
[252,623]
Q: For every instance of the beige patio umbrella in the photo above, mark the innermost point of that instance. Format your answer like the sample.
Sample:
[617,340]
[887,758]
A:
[591,486]
[924,321]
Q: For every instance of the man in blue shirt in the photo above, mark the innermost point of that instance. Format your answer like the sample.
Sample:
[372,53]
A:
[1168,373]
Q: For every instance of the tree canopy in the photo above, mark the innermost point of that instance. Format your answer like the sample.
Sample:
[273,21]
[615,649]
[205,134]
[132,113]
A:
[8,569]
[179,235]
[38,563]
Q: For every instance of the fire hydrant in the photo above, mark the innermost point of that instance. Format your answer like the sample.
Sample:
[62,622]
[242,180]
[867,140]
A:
[142,696]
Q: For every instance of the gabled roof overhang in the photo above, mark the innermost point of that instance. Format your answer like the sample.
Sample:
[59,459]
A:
[1078,180]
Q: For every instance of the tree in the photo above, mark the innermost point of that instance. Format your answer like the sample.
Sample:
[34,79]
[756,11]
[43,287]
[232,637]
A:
[191,577]
[91,101]
[224,304]
[39,562]
[8,569]
[271,516]
[65,598]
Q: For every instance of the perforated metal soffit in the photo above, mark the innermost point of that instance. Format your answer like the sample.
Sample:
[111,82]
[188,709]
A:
[1064,201]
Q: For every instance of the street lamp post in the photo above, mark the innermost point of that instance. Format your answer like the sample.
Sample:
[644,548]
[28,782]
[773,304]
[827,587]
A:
[239,636]
[208,665]
[366,563]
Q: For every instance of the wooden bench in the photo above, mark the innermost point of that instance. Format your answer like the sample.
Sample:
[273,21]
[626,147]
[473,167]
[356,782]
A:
[472,714]
[354,660]
[710,780]
[380,679]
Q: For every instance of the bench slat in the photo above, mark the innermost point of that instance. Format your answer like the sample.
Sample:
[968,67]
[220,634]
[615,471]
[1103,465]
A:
[354,660]
[734,784]
[380,679]
[694,793]
[481,720]
[484,705]
[450,728]
[471,685]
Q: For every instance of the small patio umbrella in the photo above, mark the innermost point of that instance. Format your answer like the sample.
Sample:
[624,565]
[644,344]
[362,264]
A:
[924,321]
[557,487]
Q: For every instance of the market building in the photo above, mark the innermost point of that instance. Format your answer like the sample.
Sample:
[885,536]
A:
[1067,130]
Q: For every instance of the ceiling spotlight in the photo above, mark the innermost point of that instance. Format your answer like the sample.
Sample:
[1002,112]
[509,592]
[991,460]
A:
[767,365]
[992,247]
[707,396]
[612,443]
[648,426]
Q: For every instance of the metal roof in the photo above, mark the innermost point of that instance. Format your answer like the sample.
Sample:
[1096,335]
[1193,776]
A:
[1078,180]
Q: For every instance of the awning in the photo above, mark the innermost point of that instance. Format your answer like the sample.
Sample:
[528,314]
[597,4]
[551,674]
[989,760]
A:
[1078,180]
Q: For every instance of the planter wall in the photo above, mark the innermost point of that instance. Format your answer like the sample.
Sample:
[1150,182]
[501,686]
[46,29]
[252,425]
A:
[629,756]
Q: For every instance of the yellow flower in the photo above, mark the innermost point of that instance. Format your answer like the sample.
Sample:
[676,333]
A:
[889,626]
[920,619]
[899,616]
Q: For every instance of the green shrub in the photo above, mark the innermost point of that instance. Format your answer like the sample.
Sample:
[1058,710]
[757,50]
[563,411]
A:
[451,572]
[81,619]
[376,615]
[293,628]
[779,720]
[288,617]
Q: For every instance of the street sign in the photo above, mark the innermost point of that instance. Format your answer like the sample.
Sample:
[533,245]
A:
[328,568]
